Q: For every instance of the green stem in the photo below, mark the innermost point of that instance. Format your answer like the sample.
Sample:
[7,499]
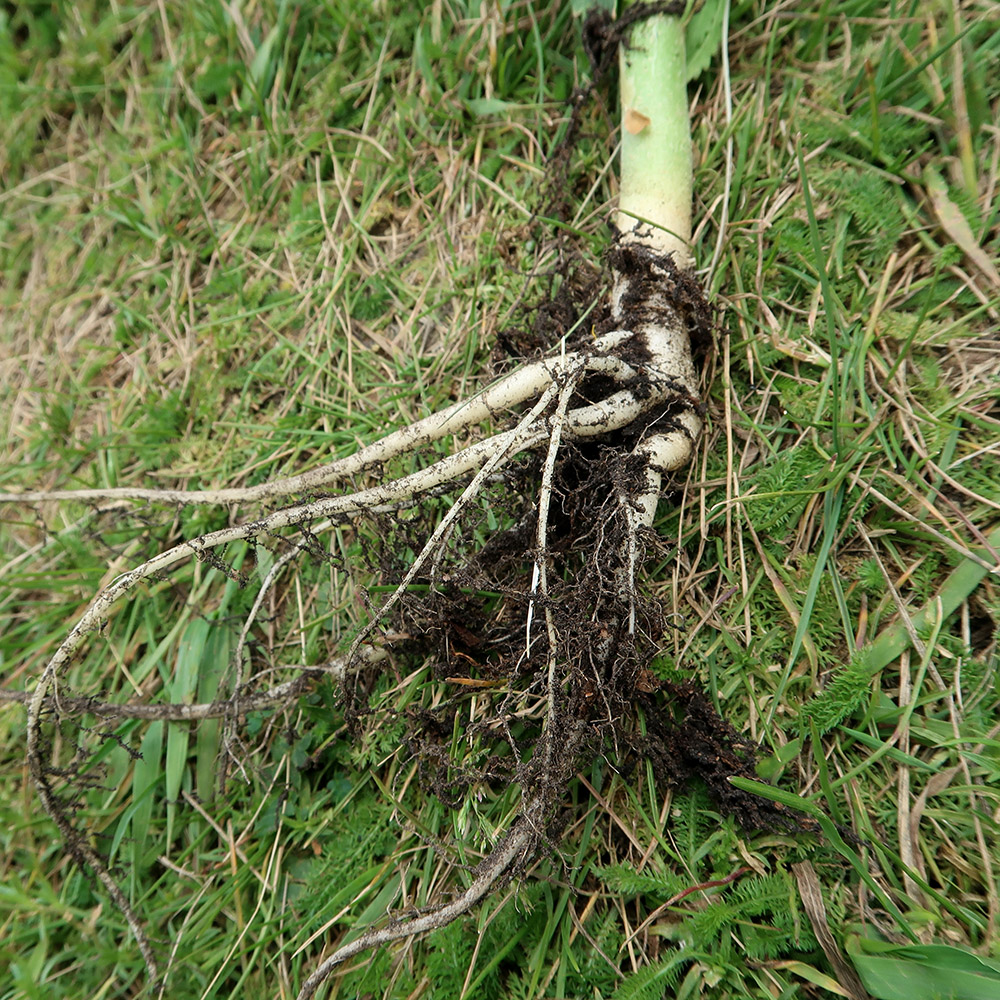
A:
[655,201]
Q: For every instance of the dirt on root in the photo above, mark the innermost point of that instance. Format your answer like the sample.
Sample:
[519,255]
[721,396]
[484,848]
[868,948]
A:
[471,629]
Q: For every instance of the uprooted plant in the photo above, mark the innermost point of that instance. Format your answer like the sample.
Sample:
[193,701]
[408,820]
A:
[583,439]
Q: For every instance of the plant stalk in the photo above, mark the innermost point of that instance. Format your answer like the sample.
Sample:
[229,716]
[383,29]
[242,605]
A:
[655,201]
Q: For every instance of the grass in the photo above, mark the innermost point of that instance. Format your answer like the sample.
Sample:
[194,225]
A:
[243,241]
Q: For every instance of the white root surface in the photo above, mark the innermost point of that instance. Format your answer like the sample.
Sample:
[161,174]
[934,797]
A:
[496,400]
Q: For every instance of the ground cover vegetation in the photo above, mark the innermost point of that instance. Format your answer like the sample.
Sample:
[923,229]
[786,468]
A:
[241,242]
